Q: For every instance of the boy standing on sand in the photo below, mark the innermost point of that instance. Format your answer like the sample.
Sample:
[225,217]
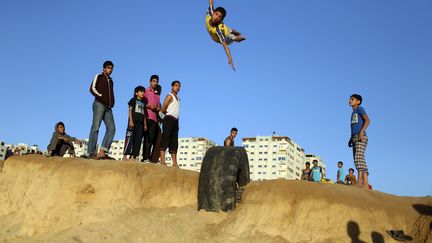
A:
[152,99]
[102,88]
[358,141]
[136,124]
[306,172]
[340,178]
[316,172]
[170,126]
[219,32]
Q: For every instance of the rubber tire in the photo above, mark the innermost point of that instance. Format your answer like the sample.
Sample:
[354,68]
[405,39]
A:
[223,168]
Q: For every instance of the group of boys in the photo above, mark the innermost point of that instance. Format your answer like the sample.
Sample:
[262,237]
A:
[144,119]
[358,141]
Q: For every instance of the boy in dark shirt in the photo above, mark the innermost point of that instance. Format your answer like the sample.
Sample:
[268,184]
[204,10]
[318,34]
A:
[359,122]
[137,124]
[61,142]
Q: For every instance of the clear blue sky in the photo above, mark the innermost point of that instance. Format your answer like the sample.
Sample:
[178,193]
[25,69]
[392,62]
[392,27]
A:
[295,72]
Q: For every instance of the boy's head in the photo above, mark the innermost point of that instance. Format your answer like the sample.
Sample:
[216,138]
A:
[139,92]
[175,86]
[60,127]
[315,162]
[340,164]
[351,171]
[154,81]
[307,165]
[355,100]
[158,90]
[108,67]
[234,132]
[218,15]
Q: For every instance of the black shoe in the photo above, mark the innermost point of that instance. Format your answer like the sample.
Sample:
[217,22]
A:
[399,235]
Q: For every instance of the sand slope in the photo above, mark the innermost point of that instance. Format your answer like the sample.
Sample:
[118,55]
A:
[77,200]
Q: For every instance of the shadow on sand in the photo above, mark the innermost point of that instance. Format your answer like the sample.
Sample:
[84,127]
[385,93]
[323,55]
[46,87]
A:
[353,230]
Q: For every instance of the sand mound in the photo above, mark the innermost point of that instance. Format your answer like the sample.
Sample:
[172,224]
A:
[77,200]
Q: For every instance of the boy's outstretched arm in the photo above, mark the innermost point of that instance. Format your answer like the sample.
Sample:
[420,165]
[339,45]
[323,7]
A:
[228,53]
[211,2]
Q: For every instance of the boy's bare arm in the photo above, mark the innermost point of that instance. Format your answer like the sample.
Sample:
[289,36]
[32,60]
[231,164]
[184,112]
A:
[365,125]
[227,142]
[211,2]
[228,53]
[166,103]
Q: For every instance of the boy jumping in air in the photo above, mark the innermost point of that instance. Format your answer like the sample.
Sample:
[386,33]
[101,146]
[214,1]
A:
[219,32]
[359,122]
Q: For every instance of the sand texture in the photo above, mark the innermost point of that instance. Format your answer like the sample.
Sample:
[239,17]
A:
[78,200]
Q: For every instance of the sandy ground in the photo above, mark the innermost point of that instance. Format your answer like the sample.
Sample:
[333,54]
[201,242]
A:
[77,200]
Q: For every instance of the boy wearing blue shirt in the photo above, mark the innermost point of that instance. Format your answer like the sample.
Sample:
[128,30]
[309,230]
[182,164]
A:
[316,172]
[340,179]
[359,122]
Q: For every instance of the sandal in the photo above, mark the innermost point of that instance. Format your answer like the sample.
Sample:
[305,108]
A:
[399,235]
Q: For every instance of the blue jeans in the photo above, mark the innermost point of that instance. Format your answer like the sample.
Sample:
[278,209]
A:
[101,113]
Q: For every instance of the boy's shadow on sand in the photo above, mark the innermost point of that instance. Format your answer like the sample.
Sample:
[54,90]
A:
[353,230]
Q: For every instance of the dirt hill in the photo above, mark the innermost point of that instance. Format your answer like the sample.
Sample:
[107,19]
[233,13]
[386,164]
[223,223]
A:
[78,200]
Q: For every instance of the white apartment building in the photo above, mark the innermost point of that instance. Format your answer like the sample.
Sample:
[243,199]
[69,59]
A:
[310,158]
[274,157]
[191,152]
[3,150]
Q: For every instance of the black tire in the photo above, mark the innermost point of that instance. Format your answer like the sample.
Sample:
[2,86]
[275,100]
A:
[222,171]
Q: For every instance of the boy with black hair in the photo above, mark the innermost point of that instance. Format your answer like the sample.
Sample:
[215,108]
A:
[170,126]
[61,142]
[156,148]
[350,179]
[136,124]
[102,88]
[306,173]
[358,141]
[340,178]
[152,99]
[219,32]
[316,172]
[229,141]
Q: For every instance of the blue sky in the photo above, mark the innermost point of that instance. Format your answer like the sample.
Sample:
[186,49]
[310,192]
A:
[295,72]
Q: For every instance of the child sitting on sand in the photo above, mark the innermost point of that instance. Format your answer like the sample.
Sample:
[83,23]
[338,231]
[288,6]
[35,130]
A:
[350,179]
[61,142]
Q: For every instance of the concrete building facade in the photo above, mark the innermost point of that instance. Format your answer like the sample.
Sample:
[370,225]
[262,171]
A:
[274,157]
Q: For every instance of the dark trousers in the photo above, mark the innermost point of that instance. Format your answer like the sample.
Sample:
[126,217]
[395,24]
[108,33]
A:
[150,137]
[133,141]
[170,130]
[61,147]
